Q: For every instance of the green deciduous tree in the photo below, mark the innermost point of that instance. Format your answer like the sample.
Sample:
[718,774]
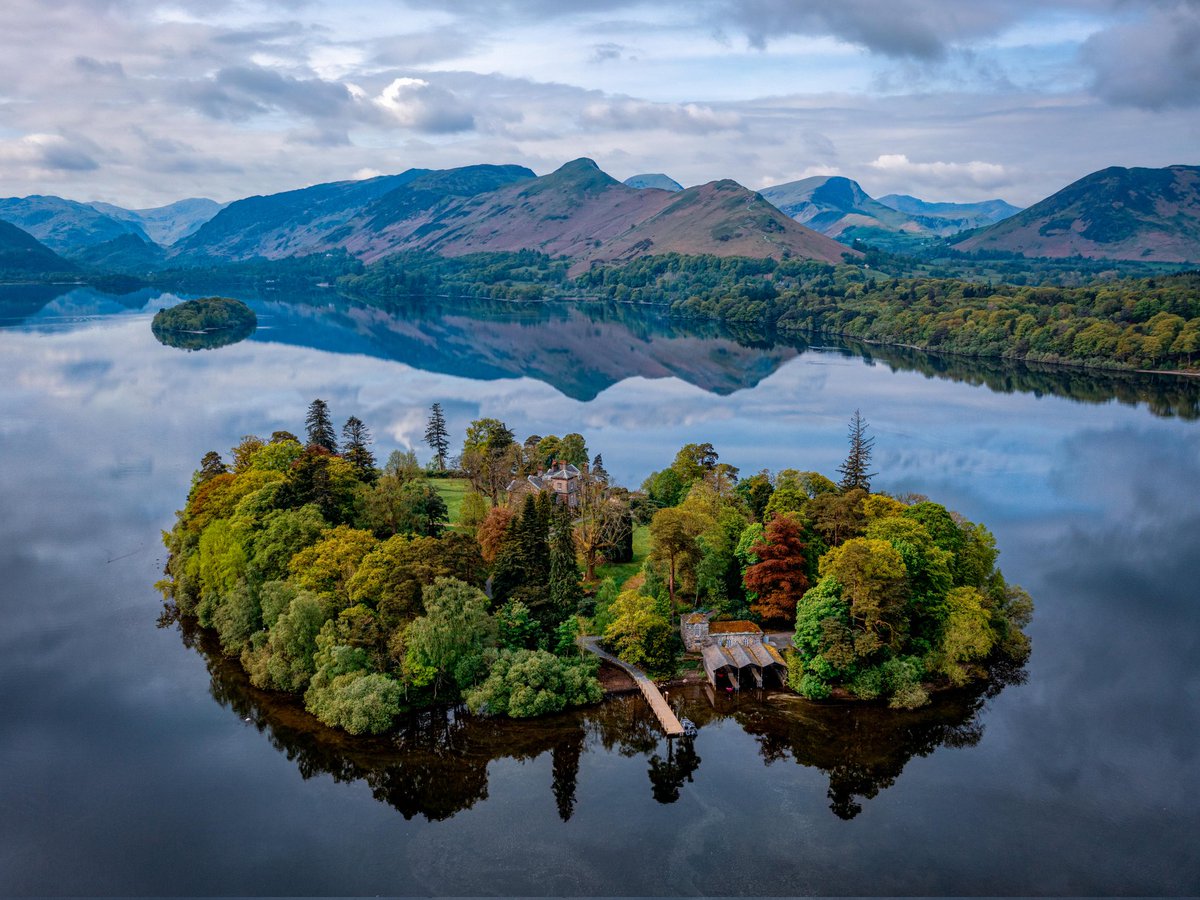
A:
[524,683]
[449,640]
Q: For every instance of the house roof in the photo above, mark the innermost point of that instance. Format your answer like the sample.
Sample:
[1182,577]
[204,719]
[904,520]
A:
[694,618]
[565,470]
[739,627]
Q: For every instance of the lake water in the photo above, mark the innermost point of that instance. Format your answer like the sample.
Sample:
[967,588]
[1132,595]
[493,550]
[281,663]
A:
[135,760]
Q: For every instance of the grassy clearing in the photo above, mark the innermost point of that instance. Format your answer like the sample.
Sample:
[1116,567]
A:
[452,490]
[622,572]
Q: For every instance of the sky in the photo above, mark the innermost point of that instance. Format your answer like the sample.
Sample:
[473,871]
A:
[140,103]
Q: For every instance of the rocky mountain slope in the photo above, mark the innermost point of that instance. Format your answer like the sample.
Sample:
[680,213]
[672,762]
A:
[1144,214]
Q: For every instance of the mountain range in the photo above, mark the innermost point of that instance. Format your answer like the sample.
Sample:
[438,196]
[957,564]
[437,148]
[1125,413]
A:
[577,211]
[1116,213]
[582,213]
[840,208]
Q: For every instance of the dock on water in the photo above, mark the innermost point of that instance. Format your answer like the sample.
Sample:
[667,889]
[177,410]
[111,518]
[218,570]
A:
[662,710]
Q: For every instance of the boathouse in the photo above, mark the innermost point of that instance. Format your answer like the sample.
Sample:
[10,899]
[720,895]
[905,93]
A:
[732,650]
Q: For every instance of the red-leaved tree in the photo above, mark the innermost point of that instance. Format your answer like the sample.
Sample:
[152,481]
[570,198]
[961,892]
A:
[779,576]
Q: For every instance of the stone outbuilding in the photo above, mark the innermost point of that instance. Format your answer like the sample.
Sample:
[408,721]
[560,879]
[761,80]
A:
[696,631]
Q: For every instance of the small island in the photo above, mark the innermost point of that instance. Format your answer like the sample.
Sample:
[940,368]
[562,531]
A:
[204,324]
[500,581]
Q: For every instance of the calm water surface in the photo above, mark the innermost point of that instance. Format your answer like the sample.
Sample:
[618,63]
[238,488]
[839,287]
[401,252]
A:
[136,760]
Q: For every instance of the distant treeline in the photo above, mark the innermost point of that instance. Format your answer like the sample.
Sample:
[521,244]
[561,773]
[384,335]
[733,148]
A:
[1135,323]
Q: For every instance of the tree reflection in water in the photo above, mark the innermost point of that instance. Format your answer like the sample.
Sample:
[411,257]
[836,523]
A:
[435,764]
[863,748]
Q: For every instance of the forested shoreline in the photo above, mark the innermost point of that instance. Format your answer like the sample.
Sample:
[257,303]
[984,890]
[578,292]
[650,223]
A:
[1124,323]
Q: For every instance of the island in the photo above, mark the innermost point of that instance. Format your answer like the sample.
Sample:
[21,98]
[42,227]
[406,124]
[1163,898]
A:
[498,578]
[204,323]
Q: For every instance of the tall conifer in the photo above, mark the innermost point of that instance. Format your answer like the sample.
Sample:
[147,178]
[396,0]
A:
[319,426]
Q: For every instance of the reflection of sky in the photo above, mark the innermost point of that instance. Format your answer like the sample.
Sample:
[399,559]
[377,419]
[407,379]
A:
[1081,782]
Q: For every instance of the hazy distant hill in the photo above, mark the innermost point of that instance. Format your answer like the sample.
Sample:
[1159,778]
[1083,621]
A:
[950,218]
[832,204]
[64,225]
[1116,213]
[166,224]
[653,180]
[24,256]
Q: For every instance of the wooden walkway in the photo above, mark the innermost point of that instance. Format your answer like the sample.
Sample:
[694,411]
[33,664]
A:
[648,688]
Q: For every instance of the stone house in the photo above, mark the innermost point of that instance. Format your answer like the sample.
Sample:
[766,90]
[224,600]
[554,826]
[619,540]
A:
[563,481]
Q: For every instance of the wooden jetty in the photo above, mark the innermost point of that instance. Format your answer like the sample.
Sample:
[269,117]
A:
[666,717]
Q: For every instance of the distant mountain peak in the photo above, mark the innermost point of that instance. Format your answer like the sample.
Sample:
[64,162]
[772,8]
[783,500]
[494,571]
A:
[653,180]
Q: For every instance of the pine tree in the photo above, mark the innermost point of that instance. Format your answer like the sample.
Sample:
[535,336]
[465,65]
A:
[320,428]
[356,440]
[565,590]
[855,470]
[211,466]
[599,473]
[436,435]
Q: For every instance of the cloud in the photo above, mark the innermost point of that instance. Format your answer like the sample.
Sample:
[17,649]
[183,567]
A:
[240,92]
[921,29]
[1151,63]
[637,115]
[415,103]
[946,175]
[43,153]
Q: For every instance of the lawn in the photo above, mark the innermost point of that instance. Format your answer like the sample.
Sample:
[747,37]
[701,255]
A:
[452,490]
[622,572]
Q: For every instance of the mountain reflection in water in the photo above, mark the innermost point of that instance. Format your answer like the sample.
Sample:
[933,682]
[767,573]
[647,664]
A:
[435,764]
[583,349]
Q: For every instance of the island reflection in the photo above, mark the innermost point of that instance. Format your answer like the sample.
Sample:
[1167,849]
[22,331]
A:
[435,764]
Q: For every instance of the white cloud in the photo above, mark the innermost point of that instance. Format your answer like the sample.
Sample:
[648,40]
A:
[635,115]
[415,103]
[949,175]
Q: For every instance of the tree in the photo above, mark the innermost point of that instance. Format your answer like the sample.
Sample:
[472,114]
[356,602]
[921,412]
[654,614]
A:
[437,437]
[210,467]
[356,441]
[674,531]
[855,470]
[525,683]
[874,581]
[640,633]
[779,578]
[327,566]
[490,457]
[446,645]
[565,590]
[602,519]
[490,532]
[320,427]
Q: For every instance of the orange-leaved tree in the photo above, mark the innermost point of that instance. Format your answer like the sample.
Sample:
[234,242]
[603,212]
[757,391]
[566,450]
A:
[779,578]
